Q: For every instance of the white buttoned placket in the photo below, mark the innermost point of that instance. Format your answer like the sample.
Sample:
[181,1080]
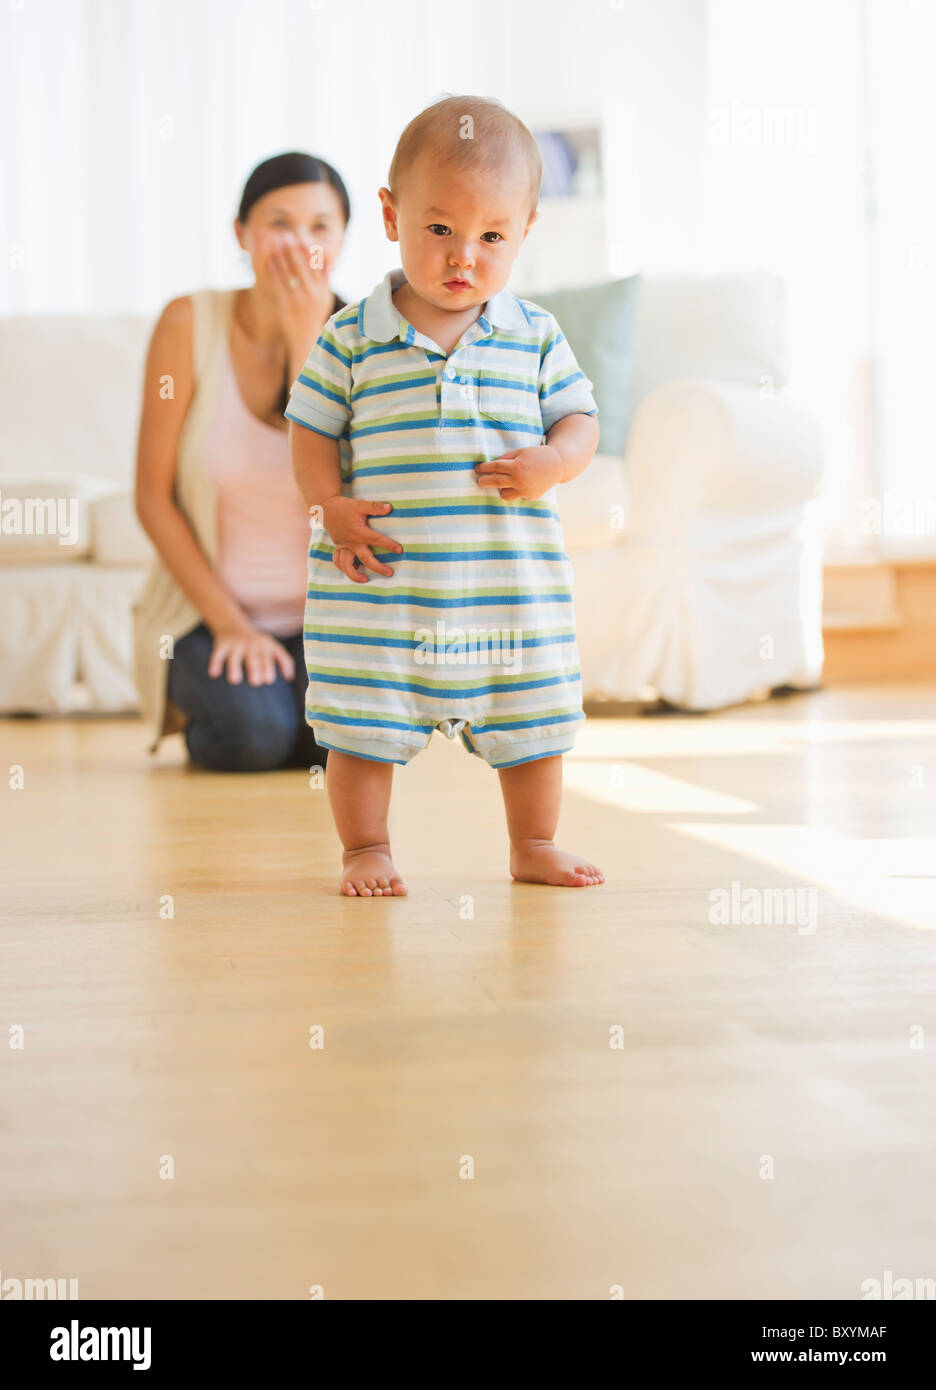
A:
[455,384]
[451,378]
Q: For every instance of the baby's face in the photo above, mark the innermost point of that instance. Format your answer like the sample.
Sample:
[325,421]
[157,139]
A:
[459,234]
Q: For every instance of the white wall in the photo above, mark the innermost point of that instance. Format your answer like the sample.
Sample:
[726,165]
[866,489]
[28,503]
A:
[639,71]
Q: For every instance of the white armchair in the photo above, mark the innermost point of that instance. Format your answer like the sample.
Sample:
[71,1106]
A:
[712,590]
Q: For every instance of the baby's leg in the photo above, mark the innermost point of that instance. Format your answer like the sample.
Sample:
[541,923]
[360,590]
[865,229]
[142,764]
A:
[359,792]
[532,797]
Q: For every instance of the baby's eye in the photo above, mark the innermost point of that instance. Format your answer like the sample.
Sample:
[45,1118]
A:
[484,235]
[439,229]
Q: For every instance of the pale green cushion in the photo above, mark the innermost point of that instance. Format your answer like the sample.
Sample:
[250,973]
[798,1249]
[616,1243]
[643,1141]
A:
[598,322]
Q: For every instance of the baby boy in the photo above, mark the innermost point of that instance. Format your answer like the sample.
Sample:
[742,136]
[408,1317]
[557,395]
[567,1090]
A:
[450,410]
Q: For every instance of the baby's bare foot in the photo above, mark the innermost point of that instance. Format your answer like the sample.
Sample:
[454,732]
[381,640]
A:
[369,873]
[539,861]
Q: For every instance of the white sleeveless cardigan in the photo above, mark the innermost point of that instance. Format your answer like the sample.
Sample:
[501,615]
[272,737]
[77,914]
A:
[163,610]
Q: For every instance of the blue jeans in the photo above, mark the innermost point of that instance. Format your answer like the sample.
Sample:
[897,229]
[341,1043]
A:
[242,728]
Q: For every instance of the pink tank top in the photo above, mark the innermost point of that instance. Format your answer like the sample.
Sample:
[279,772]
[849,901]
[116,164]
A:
[263,524]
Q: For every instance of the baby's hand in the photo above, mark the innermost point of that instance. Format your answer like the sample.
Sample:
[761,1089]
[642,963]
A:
[522,472]
[345,520]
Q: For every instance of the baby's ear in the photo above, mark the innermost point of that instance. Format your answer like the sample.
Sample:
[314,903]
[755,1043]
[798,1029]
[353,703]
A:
[389,213]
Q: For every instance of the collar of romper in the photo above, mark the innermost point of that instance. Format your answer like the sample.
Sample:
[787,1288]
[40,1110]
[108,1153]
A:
[379,319]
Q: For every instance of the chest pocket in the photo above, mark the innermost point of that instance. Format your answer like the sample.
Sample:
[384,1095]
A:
[508,400]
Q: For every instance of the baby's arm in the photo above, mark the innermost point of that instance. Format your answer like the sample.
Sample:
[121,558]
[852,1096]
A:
[575,439]
[531,472]
[316,462]
[569,419]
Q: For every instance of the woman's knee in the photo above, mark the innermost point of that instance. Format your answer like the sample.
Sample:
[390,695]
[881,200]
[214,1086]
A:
[240,745]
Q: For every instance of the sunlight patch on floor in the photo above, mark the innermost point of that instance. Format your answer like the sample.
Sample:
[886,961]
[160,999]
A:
[895,879]
[631,787]
[737,738]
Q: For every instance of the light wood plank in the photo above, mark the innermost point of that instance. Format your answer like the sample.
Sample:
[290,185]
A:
[486,1036]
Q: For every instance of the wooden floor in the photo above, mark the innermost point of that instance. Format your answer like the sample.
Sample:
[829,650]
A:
[451,1037]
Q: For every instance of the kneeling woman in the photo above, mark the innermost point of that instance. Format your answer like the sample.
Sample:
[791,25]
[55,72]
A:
[218,626]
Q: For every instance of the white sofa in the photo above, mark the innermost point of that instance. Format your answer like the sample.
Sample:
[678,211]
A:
[696,556]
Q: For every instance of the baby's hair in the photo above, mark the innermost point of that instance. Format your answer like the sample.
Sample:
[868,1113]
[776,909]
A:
[475,134]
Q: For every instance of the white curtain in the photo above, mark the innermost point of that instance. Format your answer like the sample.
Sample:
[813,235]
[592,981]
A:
[736,134]
[902,133]
[131,126]
[785,187]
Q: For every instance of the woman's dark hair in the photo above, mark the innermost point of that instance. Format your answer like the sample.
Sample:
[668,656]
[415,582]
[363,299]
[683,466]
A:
[279,172]
[285,169]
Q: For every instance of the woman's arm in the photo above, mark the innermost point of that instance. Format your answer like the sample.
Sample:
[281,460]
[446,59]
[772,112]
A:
[170,356]
[238,644]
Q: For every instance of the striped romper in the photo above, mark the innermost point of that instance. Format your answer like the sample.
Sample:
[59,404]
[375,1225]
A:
[475,632]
